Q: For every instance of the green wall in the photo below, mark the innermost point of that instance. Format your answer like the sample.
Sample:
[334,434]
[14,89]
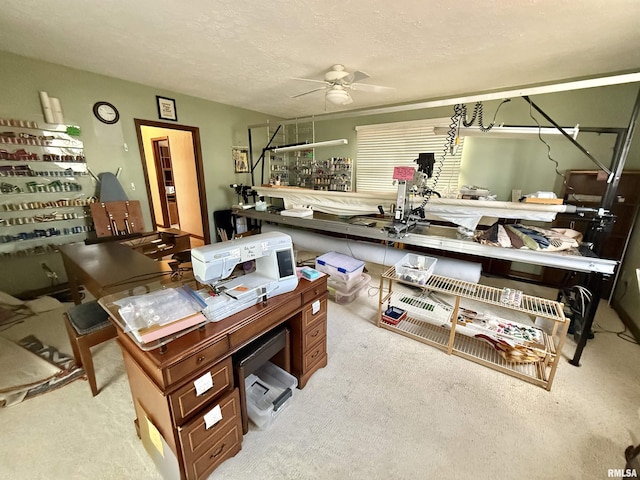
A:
[499,165]
[505,164]
[109,147]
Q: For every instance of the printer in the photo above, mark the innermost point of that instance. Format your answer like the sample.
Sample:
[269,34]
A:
[274,274]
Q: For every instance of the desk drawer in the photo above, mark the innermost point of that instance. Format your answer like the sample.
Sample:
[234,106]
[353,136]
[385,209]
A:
[196,439]
[223,449]
[184,401]
[308,317]
[314,355]
[261,325]
[196,361]
[315,333]
[317,290]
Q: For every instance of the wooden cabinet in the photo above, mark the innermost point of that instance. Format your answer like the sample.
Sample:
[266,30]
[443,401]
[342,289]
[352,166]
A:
[436,323]
[167,385]
[309,339]
[585,188]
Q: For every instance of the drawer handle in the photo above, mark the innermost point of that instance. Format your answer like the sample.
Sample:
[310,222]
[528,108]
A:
[217,452]
[317,352]
[315,334]
[200,359]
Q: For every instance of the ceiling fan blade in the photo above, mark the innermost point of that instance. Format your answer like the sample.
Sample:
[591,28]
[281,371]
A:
[309,80]
[356,76]
[365,87]
[310,91]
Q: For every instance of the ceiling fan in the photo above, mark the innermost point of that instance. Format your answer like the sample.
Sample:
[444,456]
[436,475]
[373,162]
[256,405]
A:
[337,81]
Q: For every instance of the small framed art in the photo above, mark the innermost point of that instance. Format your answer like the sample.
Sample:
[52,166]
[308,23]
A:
[240,159]
[167,108]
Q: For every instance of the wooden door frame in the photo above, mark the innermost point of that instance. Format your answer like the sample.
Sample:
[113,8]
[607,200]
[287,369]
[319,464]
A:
[160,181]
[197,152]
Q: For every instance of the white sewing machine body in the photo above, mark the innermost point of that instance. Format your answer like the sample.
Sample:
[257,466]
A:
[275,272]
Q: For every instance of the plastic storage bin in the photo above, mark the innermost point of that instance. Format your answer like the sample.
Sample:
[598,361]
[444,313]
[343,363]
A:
[343,294]
[415,268]
[343,267]
[269,391]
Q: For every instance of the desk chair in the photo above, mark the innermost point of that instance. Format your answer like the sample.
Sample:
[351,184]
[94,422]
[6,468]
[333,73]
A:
[88,325]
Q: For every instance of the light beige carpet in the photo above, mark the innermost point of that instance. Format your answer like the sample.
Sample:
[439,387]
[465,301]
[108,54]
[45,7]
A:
[385,407]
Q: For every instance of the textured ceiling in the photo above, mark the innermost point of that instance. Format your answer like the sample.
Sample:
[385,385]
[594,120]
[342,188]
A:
[244,53]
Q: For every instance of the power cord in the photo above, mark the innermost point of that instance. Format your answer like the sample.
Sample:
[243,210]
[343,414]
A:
[557,165]
[622,334]
[477,112]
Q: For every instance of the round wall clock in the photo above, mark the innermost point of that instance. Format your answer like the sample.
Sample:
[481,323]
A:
[106,113]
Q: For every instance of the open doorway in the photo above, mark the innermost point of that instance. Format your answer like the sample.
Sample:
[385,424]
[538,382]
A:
[173,169]
[166,184]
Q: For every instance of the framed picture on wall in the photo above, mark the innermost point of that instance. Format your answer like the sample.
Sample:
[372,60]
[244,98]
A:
[240,159]
[167,108]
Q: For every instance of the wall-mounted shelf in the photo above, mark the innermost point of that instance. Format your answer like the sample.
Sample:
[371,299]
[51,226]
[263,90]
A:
[42,167]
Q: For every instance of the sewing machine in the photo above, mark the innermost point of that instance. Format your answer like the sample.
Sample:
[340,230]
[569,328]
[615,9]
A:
[274,274]
[411,182]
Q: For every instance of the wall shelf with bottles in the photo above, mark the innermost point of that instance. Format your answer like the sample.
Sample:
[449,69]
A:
[333,174]
[45,188]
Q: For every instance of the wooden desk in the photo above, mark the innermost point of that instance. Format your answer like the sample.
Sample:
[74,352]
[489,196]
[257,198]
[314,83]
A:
[163,385]
[105,268]
[161,243]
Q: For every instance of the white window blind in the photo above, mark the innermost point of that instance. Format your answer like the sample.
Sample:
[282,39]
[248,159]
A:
[384,146]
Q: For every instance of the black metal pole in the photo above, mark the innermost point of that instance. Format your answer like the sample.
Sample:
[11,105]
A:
[251,157]
[567,136]
[621,157]
[595,287]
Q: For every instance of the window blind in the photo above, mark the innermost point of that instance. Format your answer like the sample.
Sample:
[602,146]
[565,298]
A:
[384,146]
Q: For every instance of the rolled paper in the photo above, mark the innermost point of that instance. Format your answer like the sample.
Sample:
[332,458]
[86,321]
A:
[46,108]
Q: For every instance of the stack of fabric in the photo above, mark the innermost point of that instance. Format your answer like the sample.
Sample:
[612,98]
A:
[531,237]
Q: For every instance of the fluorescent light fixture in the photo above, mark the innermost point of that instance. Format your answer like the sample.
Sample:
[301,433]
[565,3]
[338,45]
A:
[308,146]
[507,132]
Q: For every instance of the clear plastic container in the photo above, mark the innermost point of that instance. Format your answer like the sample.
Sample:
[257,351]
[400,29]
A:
[269,391]
[415,268]
[343,267]
[339,294]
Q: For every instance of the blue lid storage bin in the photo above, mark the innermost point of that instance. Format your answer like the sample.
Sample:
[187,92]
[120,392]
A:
[343,267]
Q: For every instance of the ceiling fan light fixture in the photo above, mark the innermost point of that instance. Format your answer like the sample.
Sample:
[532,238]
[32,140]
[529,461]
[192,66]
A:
[338,96]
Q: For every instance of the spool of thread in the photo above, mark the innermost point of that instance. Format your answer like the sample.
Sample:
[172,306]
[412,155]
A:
[46,108]
[56,109]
